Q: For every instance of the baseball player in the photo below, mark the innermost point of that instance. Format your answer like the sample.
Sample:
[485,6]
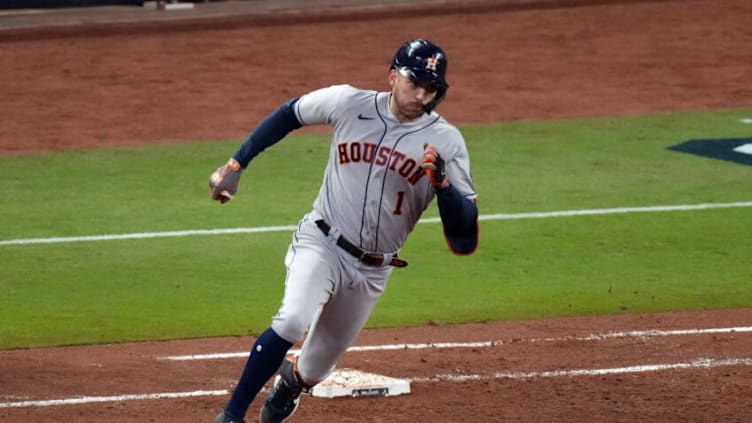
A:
[391,154]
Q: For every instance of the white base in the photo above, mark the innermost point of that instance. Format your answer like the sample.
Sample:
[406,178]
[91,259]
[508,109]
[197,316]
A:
[354,383]
[174,6]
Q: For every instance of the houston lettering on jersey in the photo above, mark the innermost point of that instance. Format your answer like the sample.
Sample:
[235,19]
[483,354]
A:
[368,152]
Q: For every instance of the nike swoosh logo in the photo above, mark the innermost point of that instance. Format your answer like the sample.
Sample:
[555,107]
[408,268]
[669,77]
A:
[361,117]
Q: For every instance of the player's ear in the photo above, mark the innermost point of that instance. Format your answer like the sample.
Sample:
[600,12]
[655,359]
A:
[392,78]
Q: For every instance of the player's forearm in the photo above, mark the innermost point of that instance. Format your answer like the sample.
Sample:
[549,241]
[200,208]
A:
[272,129]
[457,212]
[459,217]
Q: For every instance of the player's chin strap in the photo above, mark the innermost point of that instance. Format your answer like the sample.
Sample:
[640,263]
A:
[367,257]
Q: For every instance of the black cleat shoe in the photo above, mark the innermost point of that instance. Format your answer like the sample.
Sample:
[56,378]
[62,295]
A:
[223,417]
[284,397]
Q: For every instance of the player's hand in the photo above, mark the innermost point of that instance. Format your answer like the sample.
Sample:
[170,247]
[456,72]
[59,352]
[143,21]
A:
[435,167]
[224,181]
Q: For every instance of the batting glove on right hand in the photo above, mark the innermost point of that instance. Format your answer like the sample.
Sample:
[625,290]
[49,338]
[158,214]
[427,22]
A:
[435,167]
[224,181]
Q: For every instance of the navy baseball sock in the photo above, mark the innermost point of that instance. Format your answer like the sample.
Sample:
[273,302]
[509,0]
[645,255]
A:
[266,356]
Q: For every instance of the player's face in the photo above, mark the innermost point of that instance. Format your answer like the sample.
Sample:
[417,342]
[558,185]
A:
[409,98]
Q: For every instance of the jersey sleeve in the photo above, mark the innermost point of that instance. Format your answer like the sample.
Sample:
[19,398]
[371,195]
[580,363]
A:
[458,165]
[457,207]
[319,107]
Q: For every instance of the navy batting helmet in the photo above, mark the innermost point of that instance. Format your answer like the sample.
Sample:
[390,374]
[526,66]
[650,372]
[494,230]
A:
[423,60]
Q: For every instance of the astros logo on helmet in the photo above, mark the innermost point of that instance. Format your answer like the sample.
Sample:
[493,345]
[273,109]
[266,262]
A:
[432,62]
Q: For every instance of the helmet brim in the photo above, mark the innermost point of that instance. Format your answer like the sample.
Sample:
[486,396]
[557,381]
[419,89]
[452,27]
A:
[423,75]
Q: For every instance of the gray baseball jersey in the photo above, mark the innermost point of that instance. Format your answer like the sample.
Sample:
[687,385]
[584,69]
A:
[374,187]
[373,194]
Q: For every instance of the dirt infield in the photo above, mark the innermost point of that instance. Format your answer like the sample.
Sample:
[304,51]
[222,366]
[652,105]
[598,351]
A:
[135,84]
[129,84]
[587,369]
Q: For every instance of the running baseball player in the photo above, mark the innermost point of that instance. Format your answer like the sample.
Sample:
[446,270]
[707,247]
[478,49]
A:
[391,154]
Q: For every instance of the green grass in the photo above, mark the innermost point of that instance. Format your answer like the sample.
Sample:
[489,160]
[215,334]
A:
[580,265]
[182,287]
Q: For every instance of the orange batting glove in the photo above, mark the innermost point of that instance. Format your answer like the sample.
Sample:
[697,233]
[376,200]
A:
[435,167]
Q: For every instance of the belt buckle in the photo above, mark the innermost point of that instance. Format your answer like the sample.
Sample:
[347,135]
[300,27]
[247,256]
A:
[372,259]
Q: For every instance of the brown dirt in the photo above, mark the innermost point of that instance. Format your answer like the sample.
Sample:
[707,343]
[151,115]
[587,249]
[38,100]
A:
[128,84]
[172,82]
[720,394]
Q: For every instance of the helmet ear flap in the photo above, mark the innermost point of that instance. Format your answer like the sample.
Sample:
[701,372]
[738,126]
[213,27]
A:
[440,94]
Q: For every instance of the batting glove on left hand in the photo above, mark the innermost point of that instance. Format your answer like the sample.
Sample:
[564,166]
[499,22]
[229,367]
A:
[435,167]
[224,181]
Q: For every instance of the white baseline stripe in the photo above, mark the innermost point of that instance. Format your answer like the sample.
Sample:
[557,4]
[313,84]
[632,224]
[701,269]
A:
[88,400]
[565,213]
[485,344]
[216,356]
[696,364]
[501,216]
[647,333]
[143,235]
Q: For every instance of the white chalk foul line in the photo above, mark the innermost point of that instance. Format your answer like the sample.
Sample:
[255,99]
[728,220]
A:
[646,333]
[217,356]
[486,344]
[695,364]
[501,216]
[144,235]
[649,209]
[135,397]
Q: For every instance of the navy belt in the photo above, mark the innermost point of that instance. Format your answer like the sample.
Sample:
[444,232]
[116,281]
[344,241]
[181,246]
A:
[371,259]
